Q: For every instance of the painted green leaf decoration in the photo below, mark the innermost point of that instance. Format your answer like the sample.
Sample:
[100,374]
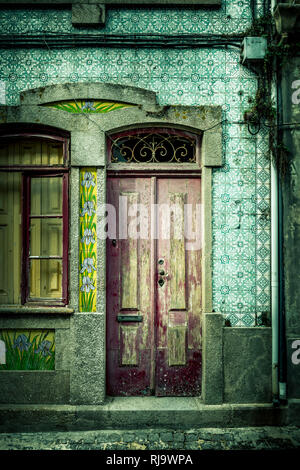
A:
[87,106]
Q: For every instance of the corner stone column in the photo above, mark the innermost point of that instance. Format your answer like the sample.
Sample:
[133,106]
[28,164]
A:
[212,375]
[87,329]
[87,384]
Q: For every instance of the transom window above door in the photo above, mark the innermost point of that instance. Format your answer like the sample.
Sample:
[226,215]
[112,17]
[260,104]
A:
[33,220]
[154,146]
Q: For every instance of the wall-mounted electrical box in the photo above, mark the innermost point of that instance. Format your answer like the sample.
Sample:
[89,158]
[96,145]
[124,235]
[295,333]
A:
[253,49]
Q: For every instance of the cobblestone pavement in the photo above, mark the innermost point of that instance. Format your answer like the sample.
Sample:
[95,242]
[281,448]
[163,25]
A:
[250,438]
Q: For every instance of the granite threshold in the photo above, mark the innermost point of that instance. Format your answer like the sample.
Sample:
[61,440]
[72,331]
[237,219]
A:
[138,412]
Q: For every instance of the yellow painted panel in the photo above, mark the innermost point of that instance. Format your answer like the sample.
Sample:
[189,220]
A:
[46,237]
[129,345]
[88,240]
[177,346]
[52,153]
[4,154]
[46,196]
[31,152]
[10,234]
[46,278]
[129,264]
[177,251]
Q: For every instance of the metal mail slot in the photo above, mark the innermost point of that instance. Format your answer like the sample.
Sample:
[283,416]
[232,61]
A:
[133,318]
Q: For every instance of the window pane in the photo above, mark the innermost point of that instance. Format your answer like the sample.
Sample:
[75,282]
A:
[4,155]
[46,237]
[31,152]
[52,153]
[10,237]
[46,196]
[27,153]
[45,279]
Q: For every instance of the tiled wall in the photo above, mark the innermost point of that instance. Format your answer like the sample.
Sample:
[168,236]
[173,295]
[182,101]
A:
[234,16]
[195,76]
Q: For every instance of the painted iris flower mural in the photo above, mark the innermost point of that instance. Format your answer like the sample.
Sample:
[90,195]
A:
[28,350]
[88,240]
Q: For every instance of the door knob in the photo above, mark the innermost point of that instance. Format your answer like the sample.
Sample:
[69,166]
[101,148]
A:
[163,276]
[163,273]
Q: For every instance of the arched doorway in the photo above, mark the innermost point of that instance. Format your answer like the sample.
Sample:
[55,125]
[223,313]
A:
[154,263]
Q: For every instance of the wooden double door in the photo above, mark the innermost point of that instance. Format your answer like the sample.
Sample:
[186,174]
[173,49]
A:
[154,286]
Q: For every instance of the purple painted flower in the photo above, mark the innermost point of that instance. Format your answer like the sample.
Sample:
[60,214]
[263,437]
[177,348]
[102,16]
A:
[88,264]
[22,343]
[88,237]
[44,348]
[88,208]
[88,105]
[88,180]
[87,284]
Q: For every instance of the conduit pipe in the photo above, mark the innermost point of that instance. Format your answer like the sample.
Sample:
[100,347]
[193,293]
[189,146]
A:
[274,281]
[281,303]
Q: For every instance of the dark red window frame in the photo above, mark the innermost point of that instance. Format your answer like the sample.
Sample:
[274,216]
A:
[26,190]
[11,133]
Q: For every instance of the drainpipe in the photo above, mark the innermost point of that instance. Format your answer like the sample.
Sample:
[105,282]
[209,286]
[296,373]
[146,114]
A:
[274,257]
[277,280]
[274,281]
[281,317]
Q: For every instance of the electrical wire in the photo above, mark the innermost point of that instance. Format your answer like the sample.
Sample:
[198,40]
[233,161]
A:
[251,131]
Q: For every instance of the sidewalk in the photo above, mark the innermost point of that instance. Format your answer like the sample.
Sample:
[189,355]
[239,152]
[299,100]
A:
[247,438]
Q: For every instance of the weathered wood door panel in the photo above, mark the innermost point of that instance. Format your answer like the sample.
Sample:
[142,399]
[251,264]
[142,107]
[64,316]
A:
[154,278]
[129,343]
[178,299]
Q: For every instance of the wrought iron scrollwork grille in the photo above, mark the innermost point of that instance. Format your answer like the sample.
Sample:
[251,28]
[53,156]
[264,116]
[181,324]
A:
[154,147]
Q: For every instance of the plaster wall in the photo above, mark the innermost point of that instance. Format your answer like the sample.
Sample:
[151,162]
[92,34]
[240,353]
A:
[192,81]
[291,218]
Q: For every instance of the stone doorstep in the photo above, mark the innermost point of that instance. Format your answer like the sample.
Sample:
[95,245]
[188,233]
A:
[138,412]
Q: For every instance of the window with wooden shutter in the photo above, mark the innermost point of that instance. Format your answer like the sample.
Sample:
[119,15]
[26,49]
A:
[33,221]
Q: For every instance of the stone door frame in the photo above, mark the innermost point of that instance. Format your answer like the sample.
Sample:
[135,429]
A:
[88,135]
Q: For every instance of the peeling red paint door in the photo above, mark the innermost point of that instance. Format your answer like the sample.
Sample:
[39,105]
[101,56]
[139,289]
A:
[153,288]
[178,316]
[130,345]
